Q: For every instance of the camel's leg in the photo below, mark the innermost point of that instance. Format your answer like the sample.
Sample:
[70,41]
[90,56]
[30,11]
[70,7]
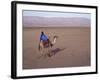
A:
[41,47]
[41,52]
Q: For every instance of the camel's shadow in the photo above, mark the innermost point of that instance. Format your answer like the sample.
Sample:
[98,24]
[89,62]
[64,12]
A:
[54,51]
[51,53]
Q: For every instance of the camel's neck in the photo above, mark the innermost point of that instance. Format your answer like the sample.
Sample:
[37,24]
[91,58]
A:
[54,41]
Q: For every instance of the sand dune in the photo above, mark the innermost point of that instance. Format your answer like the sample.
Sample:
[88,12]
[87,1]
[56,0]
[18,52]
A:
[71,50]
[31,21]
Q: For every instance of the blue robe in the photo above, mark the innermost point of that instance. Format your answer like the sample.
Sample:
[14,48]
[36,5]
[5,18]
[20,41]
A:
[43,37]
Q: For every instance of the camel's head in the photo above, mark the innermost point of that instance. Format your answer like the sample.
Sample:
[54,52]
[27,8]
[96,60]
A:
[55,36]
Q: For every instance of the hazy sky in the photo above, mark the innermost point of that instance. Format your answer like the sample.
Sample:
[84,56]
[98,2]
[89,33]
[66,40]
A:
[55,14]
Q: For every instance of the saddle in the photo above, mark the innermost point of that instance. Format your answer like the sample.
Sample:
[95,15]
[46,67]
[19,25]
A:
[46,43]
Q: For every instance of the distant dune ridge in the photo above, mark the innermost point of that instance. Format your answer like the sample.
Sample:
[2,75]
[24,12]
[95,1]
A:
[36,21]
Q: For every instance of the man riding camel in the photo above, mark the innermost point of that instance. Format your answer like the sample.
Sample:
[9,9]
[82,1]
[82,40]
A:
[45,40]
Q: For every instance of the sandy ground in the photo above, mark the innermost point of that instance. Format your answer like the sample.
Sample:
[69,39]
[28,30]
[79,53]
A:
[71,50]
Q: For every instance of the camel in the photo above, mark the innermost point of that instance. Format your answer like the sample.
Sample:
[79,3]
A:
[47,44]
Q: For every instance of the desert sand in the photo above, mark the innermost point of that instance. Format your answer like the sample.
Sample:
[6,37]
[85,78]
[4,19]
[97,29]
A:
[72,48]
